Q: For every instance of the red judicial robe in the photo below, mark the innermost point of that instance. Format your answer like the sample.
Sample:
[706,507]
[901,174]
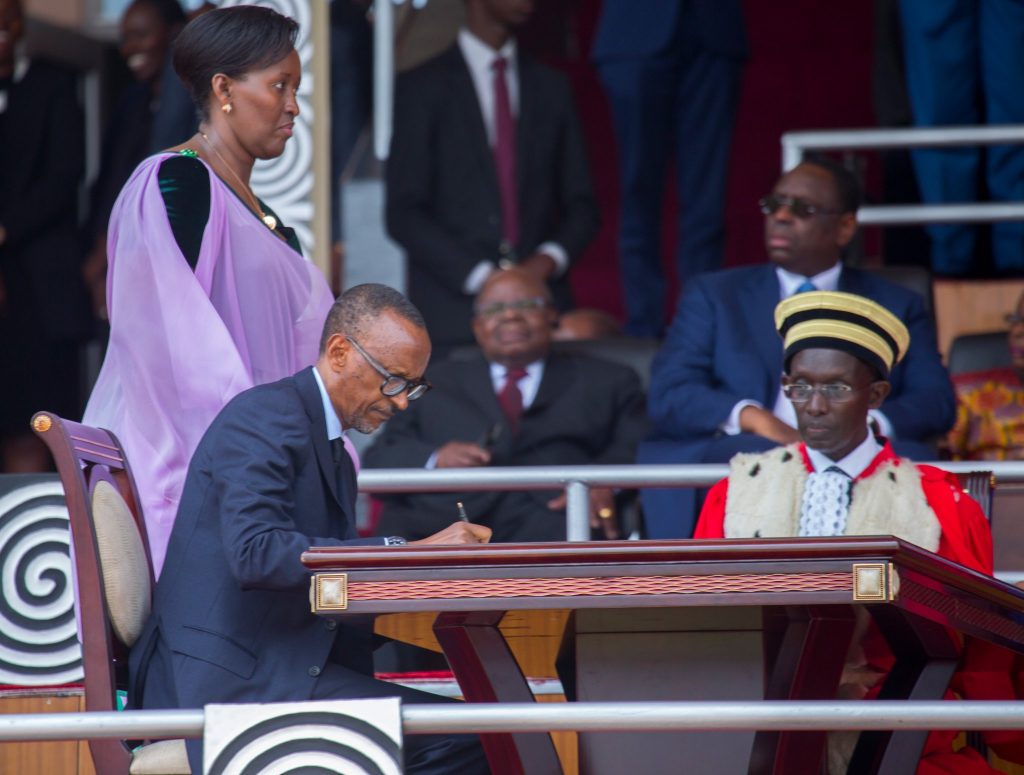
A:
[986,671]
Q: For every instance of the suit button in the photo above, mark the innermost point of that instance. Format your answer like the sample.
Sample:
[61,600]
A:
[314,671]
[330,624]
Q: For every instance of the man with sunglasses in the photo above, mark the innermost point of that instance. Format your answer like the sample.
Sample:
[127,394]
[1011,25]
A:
[271,478]
[841,479]
[517,403]
[715,387]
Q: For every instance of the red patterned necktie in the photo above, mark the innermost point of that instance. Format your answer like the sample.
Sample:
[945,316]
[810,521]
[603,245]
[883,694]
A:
[511,399]
[505,153]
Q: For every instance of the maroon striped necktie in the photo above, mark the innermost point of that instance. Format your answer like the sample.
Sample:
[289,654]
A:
[511,399]
[505,153]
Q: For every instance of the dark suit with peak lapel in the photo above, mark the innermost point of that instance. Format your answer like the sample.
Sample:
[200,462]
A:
[443,200]
[722,348]
[586,411]
[46,311]
[231,619]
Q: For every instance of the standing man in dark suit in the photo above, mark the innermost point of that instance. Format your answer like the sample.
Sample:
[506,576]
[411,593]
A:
[271,478]
[519,404]
[44,310]
[715,384]
[487,169]
[671,70]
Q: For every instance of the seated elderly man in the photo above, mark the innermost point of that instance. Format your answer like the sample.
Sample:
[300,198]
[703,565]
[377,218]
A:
[517,404]
[842,479]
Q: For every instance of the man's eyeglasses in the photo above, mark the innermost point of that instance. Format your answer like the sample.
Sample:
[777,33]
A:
[1013,319]
[393,384]
[834,392]
[800,208]
[523,305]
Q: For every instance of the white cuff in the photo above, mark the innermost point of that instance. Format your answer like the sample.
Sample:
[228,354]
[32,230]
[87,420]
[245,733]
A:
[884,426]
[475,279]
[432,460]
[731,427]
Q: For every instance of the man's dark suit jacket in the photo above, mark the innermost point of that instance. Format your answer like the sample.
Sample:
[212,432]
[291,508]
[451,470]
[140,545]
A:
[723,347]
[586,411]
[42,159]
[443,203]
[231,619]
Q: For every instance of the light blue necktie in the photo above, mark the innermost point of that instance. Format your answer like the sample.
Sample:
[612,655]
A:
[805,286]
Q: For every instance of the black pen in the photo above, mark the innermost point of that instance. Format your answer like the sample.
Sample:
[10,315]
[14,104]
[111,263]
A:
[462,511]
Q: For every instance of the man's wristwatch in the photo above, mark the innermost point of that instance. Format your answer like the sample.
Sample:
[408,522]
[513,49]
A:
[394,541]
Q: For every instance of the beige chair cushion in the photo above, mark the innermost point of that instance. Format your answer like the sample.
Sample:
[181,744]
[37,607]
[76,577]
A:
[123,563]
[164,757]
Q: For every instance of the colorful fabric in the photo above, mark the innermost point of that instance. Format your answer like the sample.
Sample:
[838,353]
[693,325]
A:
[182,344]
[990,416]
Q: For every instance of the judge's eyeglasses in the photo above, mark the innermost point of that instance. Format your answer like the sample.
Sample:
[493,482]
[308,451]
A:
[833,392]
[393,384]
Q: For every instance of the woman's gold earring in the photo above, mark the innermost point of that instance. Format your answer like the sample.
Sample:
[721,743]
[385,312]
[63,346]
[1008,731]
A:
[226,107]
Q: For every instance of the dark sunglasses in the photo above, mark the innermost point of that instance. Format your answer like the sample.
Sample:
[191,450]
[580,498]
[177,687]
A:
[800,208]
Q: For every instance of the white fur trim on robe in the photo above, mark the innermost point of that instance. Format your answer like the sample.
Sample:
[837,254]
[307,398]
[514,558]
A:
[765,490]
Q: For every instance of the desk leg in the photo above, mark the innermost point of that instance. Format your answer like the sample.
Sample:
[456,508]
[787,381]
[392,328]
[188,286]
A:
[487,671]
[806,648]
[926,658]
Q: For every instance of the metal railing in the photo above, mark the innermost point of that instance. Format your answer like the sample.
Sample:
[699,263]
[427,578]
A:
[577,481]
[795,144]
[571,716]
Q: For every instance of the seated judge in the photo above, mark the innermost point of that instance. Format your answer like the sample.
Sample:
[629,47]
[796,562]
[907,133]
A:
[269,479]
[715,382]
[843,479]
[516,404]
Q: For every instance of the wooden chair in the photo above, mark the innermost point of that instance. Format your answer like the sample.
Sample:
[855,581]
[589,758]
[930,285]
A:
[115,580]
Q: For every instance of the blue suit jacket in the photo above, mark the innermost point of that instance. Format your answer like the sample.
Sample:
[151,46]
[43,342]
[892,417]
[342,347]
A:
[722,347]
[231,619]
[628,29]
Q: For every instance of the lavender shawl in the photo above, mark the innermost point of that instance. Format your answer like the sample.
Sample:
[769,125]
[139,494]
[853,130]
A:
[183,343]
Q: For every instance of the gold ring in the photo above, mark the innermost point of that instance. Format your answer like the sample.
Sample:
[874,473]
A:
[605,513]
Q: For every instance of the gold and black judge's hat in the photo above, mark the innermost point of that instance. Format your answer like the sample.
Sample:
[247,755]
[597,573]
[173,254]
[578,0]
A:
[842,321]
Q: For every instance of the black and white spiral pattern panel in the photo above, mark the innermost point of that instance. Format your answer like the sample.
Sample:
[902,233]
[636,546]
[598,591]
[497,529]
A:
[349,737]
[286,183]
[38,637]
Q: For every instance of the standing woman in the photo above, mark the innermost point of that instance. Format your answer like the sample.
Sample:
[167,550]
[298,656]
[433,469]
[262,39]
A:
[207,291]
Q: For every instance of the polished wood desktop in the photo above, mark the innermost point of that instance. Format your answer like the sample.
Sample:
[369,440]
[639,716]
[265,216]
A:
[685,620]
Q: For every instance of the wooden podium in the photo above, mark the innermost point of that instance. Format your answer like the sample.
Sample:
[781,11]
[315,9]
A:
[686,620]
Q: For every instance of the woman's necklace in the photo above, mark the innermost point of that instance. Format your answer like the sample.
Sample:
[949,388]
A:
[269,220]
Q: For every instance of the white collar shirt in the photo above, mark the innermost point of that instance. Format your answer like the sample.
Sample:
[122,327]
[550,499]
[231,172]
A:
[479,58]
